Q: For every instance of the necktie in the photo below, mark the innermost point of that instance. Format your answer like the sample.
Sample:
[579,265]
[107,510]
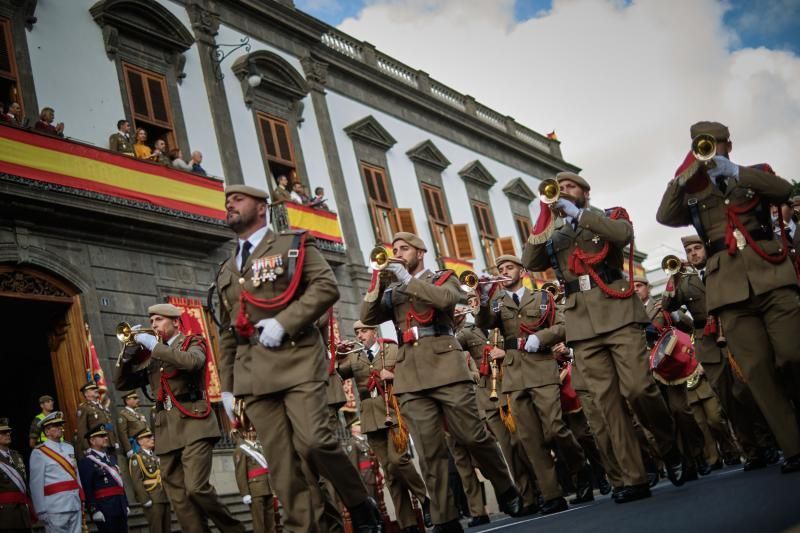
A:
[703,275]
[370,355]
[722,184]
[245,253]
[515,298]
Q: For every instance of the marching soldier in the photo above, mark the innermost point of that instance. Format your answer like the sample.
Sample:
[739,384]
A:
[55,487]
[751,281]
[106,502]
[185,425]
[131,422]
[252,478]
[91,413]
[145,471]
[15,506]
[379,420]
[431,379]
[35,435]
[531,325]
[708,413]
[604,325]
[273,289]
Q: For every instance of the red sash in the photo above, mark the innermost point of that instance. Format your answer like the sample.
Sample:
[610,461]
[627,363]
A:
[255,472]
[64,463]
[108,492]
[62,486]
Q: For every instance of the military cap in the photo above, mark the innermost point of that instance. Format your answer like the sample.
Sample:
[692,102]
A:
[795,201]
[4,425]
[143,433]
[360,325]
[508,258]
[715,129]
[571,176]
[166,310]
[254,192]
[691,239]
[45,398]
[411,239]
[641,279]
[89,385]
[97,431]
[54,418]
[129,395]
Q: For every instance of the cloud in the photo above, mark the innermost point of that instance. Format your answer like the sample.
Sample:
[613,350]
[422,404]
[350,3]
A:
[619,82]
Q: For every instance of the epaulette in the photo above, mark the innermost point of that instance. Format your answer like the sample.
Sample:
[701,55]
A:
[440,276]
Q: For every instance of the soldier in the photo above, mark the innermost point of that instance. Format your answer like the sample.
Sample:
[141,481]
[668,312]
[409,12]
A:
[185,425]
[751,281]
[530,325]
[106,502]
[273,289]
[35,435]
[252,478]
[145,471]
[91,413]
[708,413]
[431,379]
[129,423]
[15,506]
[120,141]
[604,325]
[55,487]
[366,366]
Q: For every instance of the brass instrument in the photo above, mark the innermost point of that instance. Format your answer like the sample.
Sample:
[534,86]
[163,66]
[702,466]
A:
[126,335]
[379,258]
[704,148]
[347,347]
[722,340]
[387,421]
[241,421]
[469,280]
[672,265]
[553,288]
[493,365]
[549,191]
[693,381]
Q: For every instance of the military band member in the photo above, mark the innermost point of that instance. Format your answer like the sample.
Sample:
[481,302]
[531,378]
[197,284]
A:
[366,367]
[55,487]
[92,412]
[15,505]
[145,472]
[272,290]
[431,378]
[252,478]
[719,443]
[185,425]
[106,503]
[751,281]
[604,325]
[130,422]
[35,435]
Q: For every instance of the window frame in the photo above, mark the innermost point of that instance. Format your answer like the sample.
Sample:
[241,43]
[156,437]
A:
[523,225]
[381,210]
[137,118]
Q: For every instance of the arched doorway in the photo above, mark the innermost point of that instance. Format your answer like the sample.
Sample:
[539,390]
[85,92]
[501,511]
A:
[42,347]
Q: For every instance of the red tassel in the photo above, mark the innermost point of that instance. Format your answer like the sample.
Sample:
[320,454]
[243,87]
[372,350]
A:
[243,324]
[484,369]
[710,330]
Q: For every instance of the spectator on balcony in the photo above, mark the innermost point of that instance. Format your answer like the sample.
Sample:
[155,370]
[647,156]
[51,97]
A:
[120,142]
[140,147]
[13,114]
[45,123]
[159,154]
[319,201]
[281,193]
[176,160]
[197,159]
[297,195]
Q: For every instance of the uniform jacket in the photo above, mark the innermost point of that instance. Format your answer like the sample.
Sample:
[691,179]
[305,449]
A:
[253,368]
[129,423]
[281,194]
[524,370]
[250,475]
[95,478]
[432,361]
[118,142]
[46,471]
[145,470]
[13,515]
[731,278]
[372,410]
[89,415]
[590,313]
[691,292]
[173,430]
[473,340]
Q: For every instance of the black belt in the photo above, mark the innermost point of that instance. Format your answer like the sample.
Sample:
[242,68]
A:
[608,276]
[427,331]
[186,397]
[759,234]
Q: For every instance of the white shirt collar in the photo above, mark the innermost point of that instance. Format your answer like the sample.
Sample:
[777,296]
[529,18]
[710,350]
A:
[169,342]
[520,292]
[420,273]
[254,240]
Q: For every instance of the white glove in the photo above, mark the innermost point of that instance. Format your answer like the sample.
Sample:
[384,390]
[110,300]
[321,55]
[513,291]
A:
[127,511]
[148,504]
[97,516]
[675,316]
[724,167]
[146,340]
[399,272]
[42,518]
[247,499]
[568,208]
[532,344]
[130,453]
[271,332]
[228,402]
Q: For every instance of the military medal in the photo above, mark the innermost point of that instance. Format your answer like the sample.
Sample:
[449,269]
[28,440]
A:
[741,242]
[596,239]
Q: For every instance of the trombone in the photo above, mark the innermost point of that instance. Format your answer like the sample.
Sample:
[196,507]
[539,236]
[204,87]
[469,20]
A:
[672,265]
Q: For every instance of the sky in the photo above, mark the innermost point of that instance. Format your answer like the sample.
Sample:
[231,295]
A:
[620,81]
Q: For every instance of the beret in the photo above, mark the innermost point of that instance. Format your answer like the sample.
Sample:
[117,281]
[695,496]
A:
[411,239]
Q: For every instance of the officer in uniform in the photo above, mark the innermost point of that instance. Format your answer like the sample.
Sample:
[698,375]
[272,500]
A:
[145,472]
[531,324]
[55,487]
[431,378]
[751,281]
[252,478]
[35,435]
[106,502]
[91,413]
[14,502]
[378,419]
[272,290]
[185,425]
[604,325]
[130,422]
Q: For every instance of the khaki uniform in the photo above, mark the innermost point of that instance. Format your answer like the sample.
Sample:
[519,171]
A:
[129,423]
[285,387]
[120,143]
[708,413]
[607,337]
[756,301]
[184,444]
[402,478]
[91,414]
[253,479]
[145,472]
[433,383]
[14,516]
[531,378]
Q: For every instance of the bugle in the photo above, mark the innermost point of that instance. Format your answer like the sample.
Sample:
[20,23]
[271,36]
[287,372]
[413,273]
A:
[672,265]
[379,258]
[347,347]
[704,147]
[469,280]
[549,191]
[553,288]
[126,334]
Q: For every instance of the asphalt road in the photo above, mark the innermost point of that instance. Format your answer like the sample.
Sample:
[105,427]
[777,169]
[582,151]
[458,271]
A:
[729,500]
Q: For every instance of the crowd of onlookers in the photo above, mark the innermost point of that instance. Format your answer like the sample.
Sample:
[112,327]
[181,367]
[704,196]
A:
[138,147]
[298,193]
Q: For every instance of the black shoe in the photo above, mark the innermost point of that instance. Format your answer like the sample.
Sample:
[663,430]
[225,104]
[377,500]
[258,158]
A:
[556,505]
[426,512]
[510,502]
[478,521]
[703,468]
[584,481]
[675,468]
[717,465]
[604,486]
[616,491]
[771,455]
[733,460]
[792,464]
[652,479]
[366,517]
[633,493]
[755,463]
[529,509]
[453,526]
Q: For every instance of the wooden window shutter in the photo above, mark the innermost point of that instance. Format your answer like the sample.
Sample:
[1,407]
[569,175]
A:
[266,133]
[6,49]
[284,146]
[405,220]
[504,246]
[138,94]
[462,242]
[158,99]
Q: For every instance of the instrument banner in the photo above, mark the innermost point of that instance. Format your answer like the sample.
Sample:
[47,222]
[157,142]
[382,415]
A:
[319,223]
[195,322]
[94,372]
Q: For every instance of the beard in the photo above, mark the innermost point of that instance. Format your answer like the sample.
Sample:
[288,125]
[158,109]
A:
[413,263]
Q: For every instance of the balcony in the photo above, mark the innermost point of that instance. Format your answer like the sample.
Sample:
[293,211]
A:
[323,225]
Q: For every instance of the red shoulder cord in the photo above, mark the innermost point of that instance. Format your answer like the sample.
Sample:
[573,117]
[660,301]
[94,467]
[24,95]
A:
[375,382]
[546,320]
[425,318]
[331,342]
[732,212]
[243,324]
[165,389]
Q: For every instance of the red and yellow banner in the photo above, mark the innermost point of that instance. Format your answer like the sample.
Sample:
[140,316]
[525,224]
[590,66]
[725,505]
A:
[638,269]
[456,265]
[71,164]
[195,322]
[319,223]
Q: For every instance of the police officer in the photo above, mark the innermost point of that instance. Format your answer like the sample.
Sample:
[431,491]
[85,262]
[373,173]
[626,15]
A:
[92,412]
[106,503]
[145,472]
[252,478]
[35,435]
[14,501]
[130,422]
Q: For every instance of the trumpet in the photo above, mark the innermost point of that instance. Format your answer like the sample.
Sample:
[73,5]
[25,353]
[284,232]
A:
[672,265]
[379,258]
[470,281]
[553,288]
[347,347]
[126,335]
[704,148]
[549,191]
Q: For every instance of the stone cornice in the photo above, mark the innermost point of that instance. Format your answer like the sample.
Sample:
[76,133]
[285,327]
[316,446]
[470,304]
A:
[427,153]
[519,190]
[370,130]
